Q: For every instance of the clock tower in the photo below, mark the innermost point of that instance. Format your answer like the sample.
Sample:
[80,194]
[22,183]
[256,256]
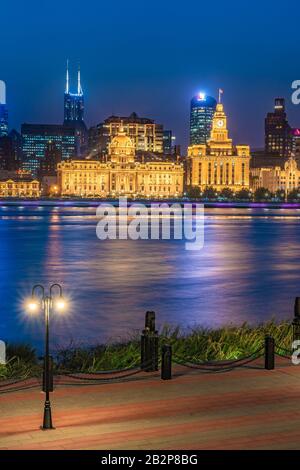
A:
[219,163]
[219,132]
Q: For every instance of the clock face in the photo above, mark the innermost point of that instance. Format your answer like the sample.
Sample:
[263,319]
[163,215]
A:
[220,123]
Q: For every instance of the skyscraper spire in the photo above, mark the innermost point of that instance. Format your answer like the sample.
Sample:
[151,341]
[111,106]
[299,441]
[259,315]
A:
[79,89]
[67,78]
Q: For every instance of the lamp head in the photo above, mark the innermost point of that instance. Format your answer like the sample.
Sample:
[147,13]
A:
[60,304]
[32,306]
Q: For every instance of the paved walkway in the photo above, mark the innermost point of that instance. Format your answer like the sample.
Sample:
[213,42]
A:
[243,409]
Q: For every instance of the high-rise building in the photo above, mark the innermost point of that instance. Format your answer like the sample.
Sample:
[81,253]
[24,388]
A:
[167,142]
[3,110]
[295,134]
[73,102]
[36,138]
[10,151]
[53,155]
[278,139]
[201,115]
[96,144]
[145,133]
[74,112]
[218,163]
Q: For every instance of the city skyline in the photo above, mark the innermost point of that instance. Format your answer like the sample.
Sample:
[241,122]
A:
[126,67]
[185,128]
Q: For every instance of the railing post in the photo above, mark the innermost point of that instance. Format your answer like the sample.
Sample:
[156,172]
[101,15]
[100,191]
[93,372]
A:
[150,320]
[166,362]
[149,344]
[269,353]
[296,320]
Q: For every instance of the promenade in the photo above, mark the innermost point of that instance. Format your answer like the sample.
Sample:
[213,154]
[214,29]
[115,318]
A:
[247,408]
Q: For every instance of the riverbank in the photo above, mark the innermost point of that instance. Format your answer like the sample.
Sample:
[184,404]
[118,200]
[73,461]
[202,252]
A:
[198,344]
[115,202]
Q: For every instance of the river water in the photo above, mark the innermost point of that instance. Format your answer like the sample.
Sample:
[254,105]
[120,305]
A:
[247,271]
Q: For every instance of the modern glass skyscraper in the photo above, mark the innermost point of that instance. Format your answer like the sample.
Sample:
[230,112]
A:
[74,113]
[73,102]
[202,111]
[3,111]
[36,139]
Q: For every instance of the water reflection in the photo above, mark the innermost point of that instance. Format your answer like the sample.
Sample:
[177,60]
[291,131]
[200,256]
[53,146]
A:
[247,271]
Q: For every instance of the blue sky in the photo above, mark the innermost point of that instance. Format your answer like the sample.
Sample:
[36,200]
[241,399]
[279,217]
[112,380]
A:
[151,57]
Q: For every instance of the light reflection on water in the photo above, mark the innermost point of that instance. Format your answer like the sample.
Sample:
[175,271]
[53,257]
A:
[248,270]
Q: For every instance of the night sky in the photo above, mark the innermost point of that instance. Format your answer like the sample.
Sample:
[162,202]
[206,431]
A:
[151,57]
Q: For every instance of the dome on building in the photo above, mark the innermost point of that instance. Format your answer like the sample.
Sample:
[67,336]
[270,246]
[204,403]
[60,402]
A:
[122,140]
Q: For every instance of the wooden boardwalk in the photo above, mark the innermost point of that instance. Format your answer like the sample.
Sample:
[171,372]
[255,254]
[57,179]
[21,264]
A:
[247,408]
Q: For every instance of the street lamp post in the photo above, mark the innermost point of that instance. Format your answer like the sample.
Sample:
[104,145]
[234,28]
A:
[47,302]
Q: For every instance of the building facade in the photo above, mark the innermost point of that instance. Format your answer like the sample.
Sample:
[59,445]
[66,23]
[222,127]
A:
[278,139]
[121,174]
[3,110]
[36,138]
[18,185]
[145,133]
[218,164]
[286,178]
[201,115]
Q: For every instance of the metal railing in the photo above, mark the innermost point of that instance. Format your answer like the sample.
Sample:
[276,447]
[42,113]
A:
[150,361]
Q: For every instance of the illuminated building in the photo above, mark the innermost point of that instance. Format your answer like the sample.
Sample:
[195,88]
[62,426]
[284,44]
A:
[122,174]
[295,135]
[279,178]
[218,163]
[145,133]
[278,131]
[36,138]
[3,111]
[18,184]
[74,112]
[73,102]
[201,115]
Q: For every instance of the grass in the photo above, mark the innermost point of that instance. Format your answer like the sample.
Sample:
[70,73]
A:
[22,362]
[197,344]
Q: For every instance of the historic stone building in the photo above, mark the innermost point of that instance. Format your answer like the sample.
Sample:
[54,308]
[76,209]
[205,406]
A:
[218,163]
[121,174]
[19,187]
[277,178]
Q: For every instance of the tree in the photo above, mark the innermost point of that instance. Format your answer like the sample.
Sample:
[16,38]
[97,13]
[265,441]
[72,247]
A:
[294,195]
[243,195]
[210,193]
[226,194]
[280,195]
[262,194]
[194,192]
